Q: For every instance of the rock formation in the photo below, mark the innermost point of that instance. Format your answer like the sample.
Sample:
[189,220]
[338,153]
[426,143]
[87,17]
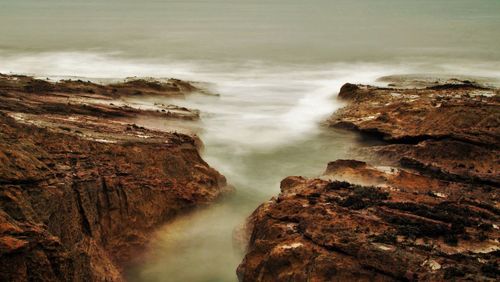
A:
[82,185]
[426,208]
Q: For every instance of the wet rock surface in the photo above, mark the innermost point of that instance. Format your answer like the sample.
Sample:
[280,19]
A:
[450,130]
[76,97]
[464,111]
[81,185]
[424,208]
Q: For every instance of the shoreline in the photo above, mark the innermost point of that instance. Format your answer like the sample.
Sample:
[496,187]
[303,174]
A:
[83,186]
[91,120]
[424,207]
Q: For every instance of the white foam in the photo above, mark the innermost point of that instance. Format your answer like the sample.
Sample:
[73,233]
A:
[261,106]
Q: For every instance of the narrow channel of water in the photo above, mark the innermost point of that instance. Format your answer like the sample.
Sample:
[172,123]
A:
[277,65]
[262,128]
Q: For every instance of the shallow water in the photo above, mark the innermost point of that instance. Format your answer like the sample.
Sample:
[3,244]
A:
[258,131]
[277,66]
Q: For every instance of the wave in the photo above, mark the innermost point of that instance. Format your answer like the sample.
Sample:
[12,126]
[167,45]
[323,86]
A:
[262,106]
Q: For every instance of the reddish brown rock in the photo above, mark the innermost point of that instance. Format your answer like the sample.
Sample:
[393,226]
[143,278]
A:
[323,230]
[463,112]
[451,131]
[77,97]
[446,159]
[81,187]
[428,211]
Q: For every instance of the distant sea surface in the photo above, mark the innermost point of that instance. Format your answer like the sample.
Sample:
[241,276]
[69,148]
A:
[315,31]
[277,65]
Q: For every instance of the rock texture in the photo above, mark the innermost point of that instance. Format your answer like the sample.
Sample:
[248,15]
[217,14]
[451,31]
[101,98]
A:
[427,209]
[465,112]
[81,185]
[76,97]
[451,130]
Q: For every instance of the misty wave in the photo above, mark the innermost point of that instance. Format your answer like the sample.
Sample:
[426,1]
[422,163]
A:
[261,106]
[264,126]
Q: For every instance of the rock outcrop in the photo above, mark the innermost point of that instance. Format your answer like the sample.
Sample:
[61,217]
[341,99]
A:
[81,185]
[465,112]
[426,209]
[450,130]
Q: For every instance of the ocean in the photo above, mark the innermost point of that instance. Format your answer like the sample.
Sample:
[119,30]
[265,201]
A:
[276,65]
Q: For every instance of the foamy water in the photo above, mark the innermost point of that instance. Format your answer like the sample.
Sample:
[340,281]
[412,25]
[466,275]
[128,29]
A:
[277,66]
[263,126]
[261,105]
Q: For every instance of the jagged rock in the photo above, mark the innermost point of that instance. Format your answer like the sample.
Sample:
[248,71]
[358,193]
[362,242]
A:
[79,193]
[329,230]
[427,211]
[462,112]
[447,159]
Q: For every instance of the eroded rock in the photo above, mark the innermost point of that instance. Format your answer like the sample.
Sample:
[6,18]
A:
[329,230]
[425,208]
[81,187]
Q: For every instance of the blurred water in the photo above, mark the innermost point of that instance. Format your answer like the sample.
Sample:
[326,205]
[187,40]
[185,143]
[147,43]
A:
[260,130]
[277,66]
[269,30]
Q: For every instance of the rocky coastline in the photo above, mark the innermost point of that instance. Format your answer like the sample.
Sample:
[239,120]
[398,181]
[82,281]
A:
[82,185]
[423,206]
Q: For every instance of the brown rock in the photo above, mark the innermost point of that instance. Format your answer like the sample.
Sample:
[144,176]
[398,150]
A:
[79,193]
[320,230]
[428,211]
[69,97]
[413,115]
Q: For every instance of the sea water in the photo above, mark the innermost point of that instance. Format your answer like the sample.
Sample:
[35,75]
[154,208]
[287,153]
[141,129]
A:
[277,66]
